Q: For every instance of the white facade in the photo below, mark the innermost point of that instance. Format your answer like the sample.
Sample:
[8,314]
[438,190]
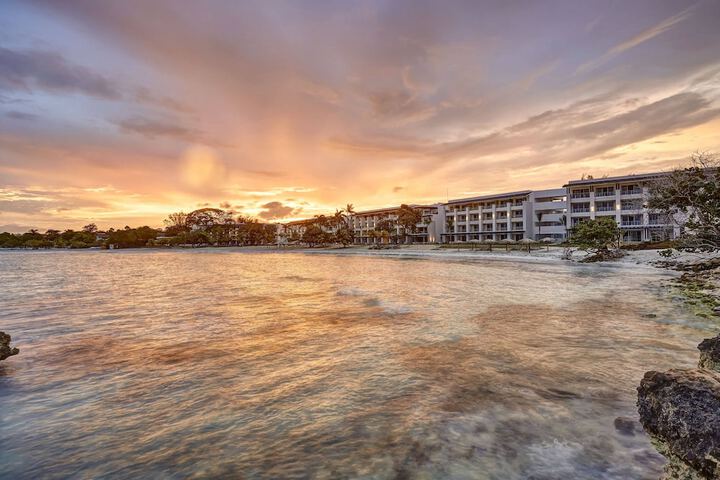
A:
[623,200]
[526,214]
[489,217]
[428,230]
[548,214]
[507,216]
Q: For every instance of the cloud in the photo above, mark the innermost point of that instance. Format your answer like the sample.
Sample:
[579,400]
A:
[145,96]
[152,128]
[641,37]
[24,116]
[400,106]
[16,228]
[529,80]
[28,70]
[276,210]
[397,189]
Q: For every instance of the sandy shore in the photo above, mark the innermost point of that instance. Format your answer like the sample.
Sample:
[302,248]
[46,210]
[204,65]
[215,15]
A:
[545,255]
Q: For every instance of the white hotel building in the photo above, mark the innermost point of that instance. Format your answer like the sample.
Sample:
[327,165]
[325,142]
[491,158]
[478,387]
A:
[622,199]
[507,216]
[526,214]
[427,231]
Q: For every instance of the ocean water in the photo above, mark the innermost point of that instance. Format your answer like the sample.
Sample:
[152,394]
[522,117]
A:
[219,363]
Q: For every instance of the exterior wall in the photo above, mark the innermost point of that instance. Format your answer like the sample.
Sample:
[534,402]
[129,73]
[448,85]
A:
[492,217]
[428,230]
[622,199]
[538,214]
[548,214]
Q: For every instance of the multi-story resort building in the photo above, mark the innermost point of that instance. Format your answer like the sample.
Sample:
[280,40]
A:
[291,231]
[622,199]
[506,216]
[428,230]
[527,214]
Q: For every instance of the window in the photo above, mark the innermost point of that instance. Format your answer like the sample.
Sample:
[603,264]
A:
[634,204]
[581,193]
[581,207]
[632,236]
[659,219]
[631,220]
[605,191]
[605,206]
[633,189]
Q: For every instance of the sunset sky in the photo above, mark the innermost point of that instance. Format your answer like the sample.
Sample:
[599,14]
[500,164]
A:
[120,112]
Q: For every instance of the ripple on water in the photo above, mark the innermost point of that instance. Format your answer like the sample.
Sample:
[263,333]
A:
[225,364]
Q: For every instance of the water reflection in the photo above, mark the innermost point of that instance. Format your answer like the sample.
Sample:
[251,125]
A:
[218,363]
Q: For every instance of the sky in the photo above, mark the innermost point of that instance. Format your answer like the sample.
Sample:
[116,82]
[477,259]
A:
[121,112]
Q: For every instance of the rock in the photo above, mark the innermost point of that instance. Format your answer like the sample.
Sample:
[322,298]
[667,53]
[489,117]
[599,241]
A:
[710,354]
[625,426]
[5,349]
[680,410]
[603,256]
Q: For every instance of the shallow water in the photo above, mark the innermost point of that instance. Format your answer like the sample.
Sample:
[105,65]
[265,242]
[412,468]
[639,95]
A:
[222,363]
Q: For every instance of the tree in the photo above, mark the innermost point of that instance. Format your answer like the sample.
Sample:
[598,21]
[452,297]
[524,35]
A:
[690,196]
[384,229]
[313,235]
[90,228]
[176,223]
[345,235]
[408,218]
[596,236]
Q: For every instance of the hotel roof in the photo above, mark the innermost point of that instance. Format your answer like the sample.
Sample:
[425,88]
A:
[391,209]
[496,196]
[622,178]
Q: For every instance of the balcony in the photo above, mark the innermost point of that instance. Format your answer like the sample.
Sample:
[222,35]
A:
[632,223]
[581,210]
[634,191]
[580,195]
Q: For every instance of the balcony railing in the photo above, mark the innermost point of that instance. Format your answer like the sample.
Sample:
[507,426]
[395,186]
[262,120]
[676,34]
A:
[636,191]
[580,210]
[605,193]
[605,209]
[632,223]
[580,195]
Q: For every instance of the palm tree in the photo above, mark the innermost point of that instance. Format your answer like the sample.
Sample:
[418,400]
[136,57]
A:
[539,217]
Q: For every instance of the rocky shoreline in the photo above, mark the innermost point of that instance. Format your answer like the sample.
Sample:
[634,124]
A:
[5,349]
[680,408]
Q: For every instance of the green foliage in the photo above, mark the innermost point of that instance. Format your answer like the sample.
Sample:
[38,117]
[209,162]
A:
[50,239]
[131,237]
[345,236]
[408,218]
[596,235]
[313,235]
[691,195]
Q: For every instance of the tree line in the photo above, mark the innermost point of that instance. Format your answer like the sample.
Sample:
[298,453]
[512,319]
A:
[203,227]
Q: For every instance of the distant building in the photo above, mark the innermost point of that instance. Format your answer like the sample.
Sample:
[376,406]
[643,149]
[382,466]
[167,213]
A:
[428,230]
[291,232]
[526,214]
